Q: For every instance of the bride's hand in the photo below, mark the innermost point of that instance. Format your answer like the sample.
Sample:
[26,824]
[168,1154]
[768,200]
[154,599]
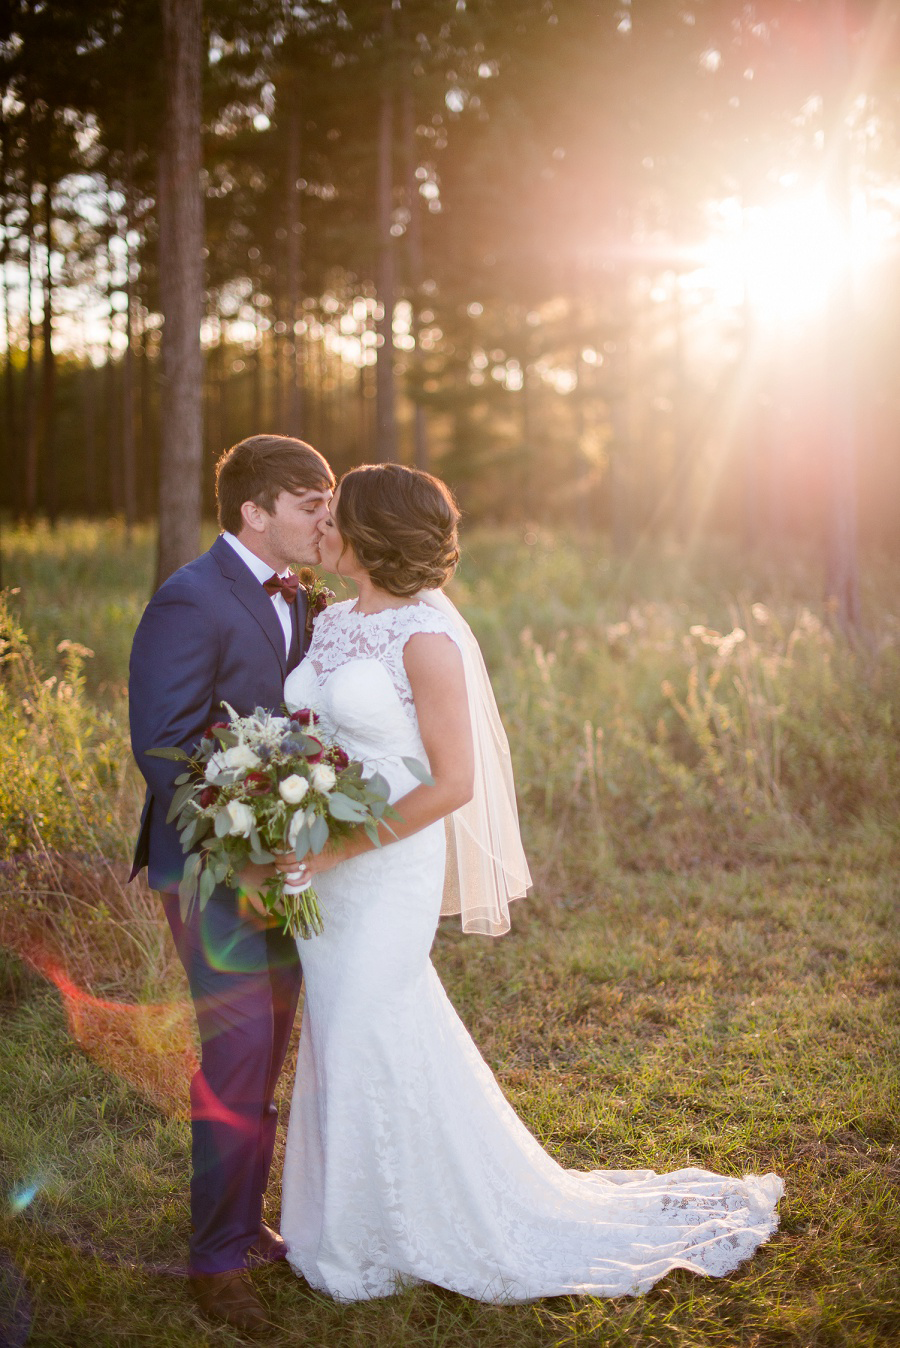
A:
[311,864]
[289,866]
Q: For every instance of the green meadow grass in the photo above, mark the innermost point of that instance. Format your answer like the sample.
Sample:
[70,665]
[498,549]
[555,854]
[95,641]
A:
[706,974]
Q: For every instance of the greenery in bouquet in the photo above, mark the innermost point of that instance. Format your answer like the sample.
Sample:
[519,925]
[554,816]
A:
[263,784]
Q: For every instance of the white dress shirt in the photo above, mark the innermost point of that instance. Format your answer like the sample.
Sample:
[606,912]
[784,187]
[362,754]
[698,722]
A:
[262,571]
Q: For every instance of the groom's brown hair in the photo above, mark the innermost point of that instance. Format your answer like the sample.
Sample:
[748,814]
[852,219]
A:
[259,468]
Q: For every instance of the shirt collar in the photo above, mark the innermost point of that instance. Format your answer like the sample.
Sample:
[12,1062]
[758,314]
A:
[261,570]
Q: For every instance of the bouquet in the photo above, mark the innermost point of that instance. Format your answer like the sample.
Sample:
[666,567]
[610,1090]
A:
[262,784]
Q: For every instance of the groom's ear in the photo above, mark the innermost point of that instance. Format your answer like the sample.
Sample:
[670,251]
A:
[254,517]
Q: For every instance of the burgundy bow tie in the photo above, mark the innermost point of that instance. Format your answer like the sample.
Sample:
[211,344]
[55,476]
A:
[284,585]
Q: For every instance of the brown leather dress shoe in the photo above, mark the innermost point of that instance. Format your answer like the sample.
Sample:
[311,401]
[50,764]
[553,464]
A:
[229,1297]
[268,1248]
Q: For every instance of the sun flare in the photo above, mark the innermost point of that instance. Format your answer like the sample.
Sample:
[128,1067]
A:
[782,260]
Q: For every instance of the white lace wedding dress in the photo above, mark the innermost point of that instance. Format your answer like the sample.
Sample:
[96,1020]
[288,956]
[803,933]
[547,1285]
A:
[405,1163]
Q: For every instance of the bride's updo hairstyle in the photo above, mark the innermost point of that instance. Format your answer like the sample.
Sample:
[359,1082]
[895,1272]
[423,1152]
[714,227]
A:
[401,524]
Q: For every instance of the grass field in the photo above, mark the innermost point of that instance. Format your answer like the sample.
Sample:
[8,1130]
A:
[707,972]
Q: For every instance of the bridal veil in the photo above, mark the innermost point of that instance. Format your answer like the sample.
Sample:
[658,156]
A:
[486,865]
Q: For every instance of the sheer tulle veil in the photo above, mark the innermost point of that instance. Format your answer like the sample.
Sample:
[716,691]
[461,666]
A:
[486,865]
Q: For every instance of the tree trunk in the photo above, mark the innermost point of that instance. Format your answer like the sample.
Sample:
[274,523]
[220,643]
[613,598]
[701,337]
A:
[416,265]
[278,343]
[257,394]
[181,287]
[841,356]
[12,467]
[386,437]
[48,358]
[31,427]
[12,462]
[113,421]
[129,451]
[681,502]
[620,407]
[147,485]
[294,259]
[88,381]
[580,477]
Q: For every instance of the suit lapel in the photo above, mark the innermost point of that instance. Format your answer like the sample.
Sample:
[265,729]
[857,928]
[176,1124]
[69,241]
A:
[252,595]
[295,654]
[300,611]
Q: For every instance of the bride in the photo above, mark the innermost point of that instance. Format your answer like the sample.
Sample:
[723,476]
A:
[404,1162]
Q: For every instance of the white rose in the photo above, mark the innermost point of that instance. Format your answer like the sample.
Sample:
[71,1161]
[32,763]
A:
[241,756]
[298,819]
[293,789]
[242,818]
[323,777]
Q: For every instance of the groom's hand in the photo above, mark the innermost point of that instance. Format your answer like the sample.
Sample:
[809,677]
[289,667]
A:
[250,882]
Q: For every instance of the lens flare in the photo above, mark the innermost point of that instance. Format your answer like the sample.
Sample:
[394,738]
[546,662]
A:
[23,1196]
[785,259]
[150,1047]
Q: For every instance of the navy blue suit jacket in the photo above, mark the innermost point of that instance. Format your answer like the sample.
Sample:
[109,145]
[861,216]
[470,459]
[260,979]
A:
[209,635]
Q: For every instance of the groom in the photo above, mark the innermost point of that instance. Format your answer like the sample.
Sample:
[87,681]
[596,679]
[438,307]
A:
[229,627]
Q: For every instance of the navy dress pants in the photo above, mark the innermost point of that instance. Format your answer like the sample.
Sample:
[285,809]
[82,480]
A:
[245,983]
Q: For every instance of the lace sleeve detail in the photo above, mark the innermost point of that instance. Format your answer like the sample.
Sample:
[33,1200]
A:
[408,622]
[341,634]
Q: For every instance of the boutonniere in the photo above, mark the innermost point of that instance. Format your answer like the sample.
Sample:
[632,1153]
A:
[318,595]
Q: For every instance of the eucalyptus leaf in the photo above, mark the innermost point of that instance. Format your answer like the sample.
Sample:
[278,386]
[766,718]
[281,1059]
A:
[179,800]
[318,834]
[187,889]
[372,830]
[379,785]
[170,752]
[182,778]
[419,771]
[227,738]
[342,807]
[301,843]
[202,826]
[223,823]
[259,857]
[192,866]
[189,836]
[206,886]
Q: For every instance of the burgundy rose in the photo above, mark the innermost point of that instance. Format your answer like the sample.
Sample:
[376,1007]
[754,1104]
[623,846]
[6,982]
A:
[257,783]
[340,759]
[207,796]
[317,753]
[209,732]
[303,716]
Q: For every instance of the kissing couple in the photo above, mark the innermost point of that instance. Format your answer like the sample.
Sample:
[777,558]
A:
[404,1162]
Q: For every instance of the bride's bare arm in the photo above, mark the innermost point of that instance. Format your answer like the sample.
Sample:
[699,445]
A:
[435,670]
